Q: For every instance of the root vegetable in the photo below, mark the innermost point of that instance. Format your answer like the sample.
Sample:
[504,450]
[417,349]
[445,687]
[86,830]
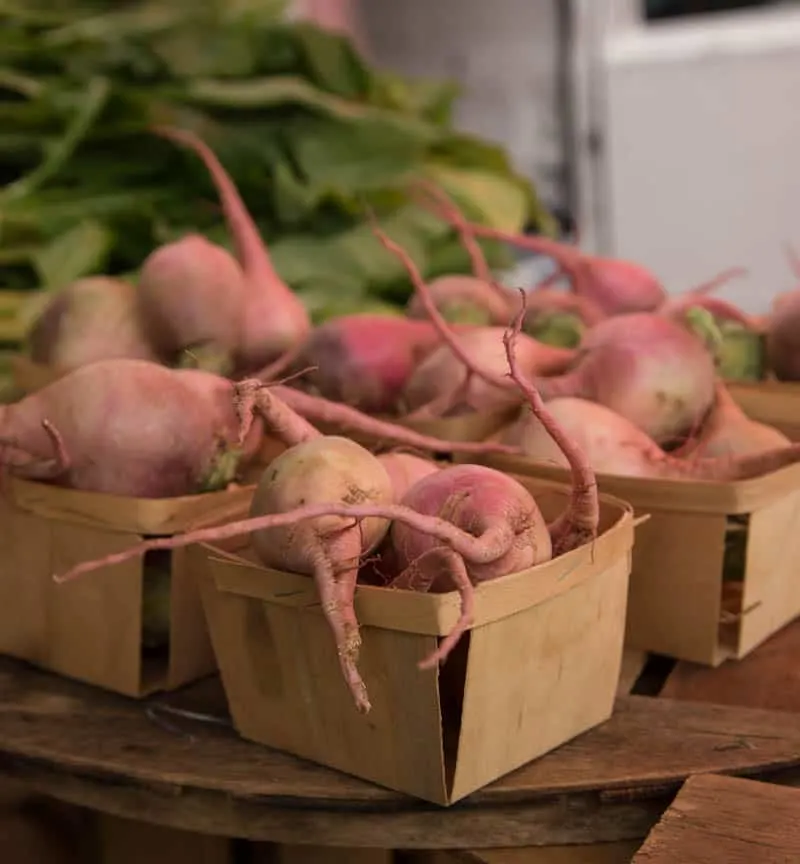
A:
[346,419]
[463,300]
[191,295]
[615,446]
[728,431]
[128,427]
[647,368]
[559,318]
[405,469]
[443,386]
[359,360]
[475,299]
[96,318]
[324,470]
[467,371]
[615,285]
[273,319]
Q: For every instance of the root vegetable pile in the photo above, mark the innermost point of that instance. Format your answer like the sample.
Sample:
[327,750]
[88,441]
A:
[326,502]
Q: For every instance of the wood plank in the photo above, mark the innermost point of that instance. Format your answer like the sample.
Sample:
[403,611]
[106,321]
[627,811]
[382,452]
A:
[102,751]
[596,853]
[768,678]
[728,819]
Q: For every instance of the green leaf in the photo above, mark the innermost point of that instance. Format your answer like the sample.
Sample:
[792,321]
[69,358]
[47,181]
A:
[96,95]
[364,154]
[280,90]
[293,200]
[76,253]
[499,199]
[331,62]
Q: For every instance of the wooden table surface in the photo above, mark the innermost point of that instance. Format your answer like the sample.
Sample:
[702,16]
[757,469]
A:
[122,757]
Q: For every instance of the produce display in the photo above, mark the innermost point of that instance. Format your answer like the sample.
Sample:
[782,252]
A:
[196,330]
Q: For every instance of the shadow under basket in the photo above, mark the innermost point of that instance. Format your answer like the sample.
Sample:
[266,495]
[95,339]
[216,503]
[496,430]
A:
[776,403]
[134,628]
[539,666]
[714,567]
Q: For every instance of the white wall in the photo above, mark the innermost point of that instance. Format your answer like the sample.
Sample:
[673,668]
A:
[702,148]
[503,52]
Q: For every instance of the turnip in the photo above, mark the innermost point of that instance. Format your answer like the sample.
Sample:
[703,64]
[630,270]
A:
[647,368]
[128,427]
[444,383]
[273,319]
[361,360]
[615,446]
[191,296]
[96,318]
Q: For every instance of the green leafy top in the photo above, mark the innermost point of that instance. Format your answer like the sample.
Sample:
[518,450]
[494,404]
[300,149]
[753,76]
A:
[307,130]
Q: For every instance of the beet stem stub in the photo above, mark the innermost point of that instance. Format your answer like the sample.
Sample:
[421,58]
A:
[579,522]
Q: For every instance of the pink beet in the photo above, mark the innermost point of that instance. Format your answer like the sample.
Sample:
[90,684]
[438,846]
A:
[128,427]
[465,300]
[728,431]
[467,372]
[361,360]
[405,469]
[191,295]
[615,446]
[273,319]
[443,386]
[96,318]
[698,297]
[615,285]
[650,369]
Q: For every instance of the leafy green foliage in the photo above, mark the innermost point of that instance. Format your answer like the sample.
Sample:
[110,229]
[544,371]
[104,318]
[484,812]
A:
[307,130]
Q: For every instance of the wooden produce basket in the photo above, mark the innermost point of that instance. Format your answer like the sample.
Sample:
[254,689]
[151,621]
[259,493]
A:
[681,604]
[92,629]
[540,665]
[776,403]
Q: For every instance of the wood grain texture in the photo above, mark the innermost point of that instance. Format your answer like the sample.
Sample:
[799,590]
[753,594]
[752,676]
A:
[726,819]
[105,752]
[768,678]
[596,853]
